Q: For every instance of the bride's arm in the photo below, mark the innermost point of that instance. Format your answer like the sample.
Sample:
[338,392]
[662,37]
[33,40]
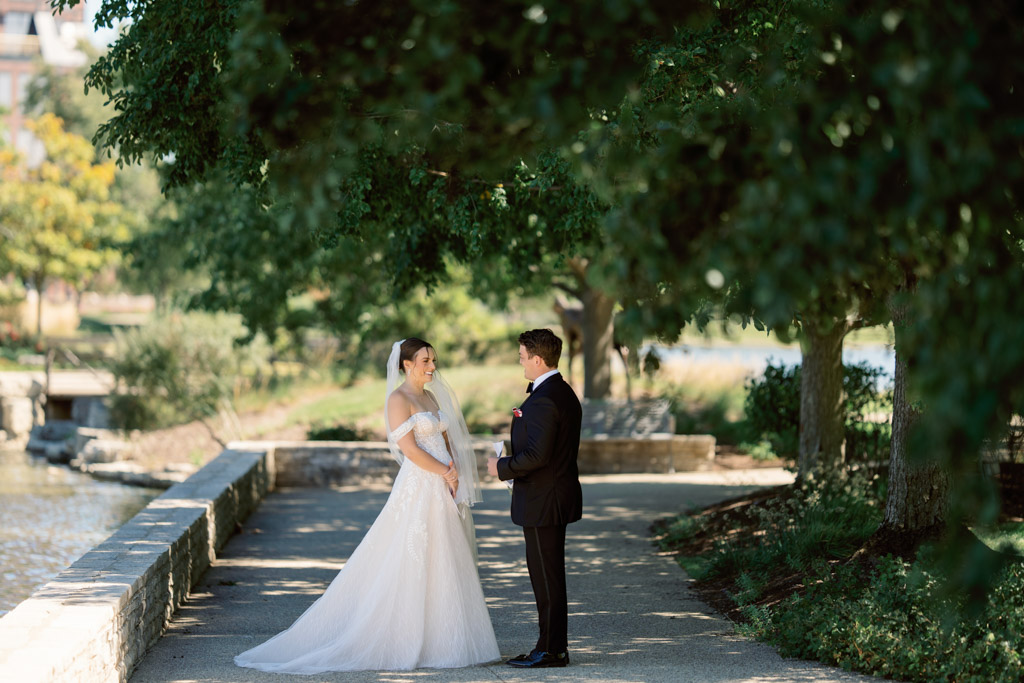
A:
[454,485]
[447,443]
[453,471]
[398,412]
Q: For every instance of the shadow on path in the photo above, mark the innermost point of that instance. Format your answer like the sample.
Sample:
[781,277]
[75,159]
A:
[631,615]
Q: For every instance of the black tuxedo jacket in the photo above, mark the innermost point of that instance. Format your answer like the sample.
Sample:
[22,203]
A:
[545,443]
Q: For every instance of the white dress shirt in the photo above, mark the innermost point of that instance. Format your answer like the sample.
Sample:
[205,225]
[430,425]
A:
[549,373]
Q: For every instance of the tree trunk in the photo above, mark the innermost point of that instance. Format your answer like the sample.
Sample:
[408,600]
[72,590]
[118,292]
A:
[918,492]
[822,423]
[918,496]
[39,307]
[598,342]
[627,356]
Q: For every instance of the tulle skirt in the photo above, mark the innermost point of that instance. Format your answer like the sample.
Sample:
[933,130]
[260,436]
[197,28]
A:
[409,596]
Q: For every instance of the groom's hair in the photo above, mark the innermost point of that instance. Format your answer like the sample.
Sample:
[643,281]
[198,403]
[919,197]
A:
[543,343]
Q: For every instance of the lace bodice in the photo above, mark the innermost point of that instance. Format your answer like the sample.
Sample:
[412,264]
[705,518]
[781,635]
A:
[428,431]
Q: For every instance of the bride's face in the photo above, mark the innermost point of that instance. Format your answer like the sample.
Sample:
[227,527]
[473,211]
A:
[421,369]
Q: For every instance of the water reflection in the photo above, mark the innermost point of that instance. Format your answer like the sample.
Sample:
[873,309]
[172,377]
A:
[49,517]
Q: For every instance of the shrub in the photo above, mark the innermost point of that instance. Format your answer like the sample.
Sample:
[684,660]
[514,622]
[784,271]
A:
[829,519]
[337,433]
[867,440]
[772,409]
[897,621]
[706,409]
[182,367]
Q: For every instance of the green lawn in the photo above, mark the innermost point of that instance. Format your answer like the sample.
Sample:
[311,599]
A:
[12,366]
[1006,534]
[487,394]
[735,335]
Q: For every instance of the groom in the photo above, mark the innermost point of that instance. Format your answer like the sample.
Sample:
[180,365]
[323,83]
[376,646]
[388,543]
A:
[546,493]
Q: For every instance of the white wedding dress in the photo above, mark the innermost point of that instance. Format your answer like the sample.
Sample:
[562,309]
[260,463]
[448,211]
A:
[409,596]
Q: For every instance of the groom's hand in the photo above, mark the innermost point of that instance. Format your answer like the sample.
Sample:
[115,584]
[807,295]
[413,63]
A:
[492,466]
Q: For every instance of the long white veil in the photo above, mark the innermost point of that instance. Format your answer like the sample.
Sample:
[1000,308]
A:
[458,434]
[394,378]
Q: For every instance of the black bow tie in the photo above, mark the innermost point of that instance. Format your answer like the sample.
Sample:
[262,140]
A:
[529,388]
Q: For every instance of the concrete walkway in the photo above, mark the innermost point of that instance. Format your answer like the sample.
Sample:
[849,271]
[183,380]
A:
[631,615]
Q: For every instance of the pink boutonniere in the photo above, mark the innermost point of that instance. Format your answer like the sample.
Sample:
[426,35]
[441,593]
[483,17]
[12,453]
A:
[517,412]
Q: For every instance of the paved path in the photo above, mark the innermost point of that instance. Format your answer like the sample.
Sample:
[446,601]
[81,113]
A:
[631,615]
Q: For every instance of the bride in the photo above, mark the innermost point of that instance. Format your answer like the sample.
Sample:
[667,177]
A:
[409,596]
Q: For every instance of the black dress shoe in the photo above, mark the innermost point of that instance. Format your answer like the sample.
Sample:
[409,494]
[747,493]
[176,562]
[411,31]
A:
[521,658]
[540,660]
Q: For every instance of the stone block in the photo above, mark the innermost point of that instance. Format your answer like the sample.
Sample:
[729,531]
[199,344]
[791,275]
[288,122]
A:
[84,435]
[17,415]
[104,450]
[90,411]
[55,430]
[619,418]
[668,453]
[57,451]
[330,463]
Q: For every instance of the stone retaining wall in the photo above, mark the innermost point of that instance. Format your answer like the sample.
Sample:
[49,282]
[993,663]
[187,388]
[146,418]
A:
[328,463]
[96,620]
[657,454]
[331,463]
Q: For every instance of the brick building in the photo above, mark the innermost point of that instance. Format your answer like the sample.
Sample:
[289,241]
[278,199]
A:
[30,35]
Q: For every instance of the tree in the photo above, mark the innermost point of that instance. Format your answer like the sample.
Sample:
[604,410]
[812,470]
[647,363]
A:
[136,187]
[180,368]
[535,230]
[706,78]
[58,218]
[60,93]
[892,160]
[303,88]
[370,80]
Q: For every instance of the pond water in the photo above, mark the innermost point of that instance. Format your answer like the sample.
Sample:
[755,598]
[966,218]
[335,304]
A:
[50,516]
[757,357]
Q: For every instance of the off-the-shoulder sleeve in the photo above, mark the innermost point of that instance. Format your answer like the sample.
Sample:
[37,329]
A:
[401,430]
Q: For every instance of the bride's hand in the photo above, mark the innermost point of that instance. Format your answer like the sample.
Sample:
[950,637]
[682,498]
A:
[451,477]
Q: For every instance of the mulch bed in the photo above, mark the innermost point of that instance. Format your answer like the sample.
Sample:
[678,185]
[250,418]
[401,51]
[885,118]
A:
[736,518]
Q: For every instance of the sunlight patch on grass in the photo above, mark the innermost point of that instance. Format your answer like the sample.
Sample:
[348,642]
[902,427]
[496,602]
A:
[1006,534]
[695,567]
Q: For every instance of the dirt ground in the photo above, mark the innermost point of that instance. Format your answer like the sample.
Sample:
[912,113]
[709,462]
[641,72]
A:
[731,518]
[193,444]
[729,458]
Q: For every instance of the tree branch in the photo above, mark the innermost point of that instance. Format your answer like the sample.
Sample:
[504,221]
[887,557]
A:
[578,267]
[213,434]
[567,288]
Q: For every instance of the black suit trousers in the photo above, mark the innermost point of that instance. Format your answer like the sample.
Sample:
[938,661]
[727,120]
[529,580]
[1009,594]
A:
[545,558]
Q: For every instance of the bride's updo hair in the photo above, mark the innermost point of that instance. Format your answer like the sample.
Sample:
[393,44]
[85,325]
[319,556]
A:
[408,350]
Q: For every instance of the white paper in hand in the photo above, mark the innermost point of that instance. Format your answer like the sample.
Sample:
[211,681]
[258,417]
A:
[499,446]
